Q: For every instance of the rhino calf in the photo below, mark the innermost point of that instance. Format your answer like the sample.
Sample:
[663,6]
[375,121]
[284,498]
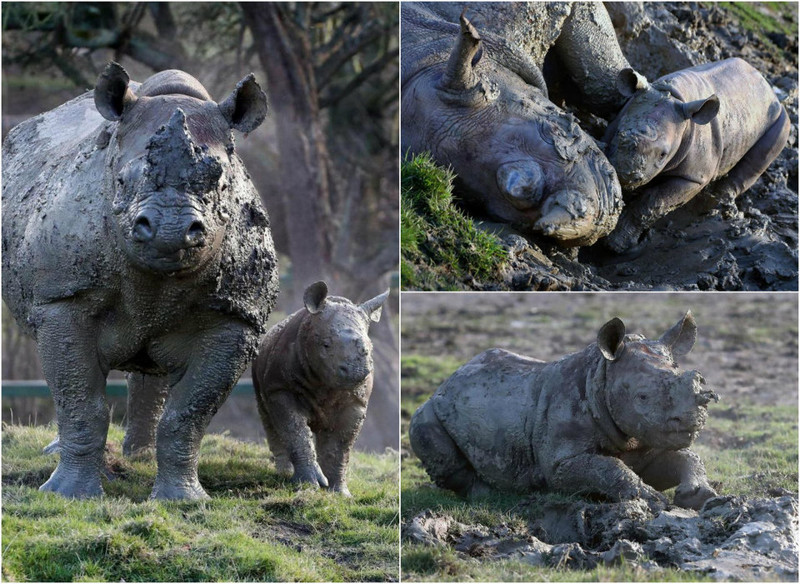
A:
[313,378]
[615,419]
[675,136]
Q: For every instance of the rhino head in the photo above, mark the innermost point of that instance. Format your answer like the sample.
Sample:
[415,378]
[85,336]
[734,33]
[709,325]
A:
[516,155]
[172,165]
[335,336]
[650,129]
[648,396]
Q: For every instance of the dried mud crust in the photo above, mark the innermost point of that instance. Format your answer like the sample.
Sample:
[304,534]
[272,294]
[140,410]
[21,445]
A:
[751,245]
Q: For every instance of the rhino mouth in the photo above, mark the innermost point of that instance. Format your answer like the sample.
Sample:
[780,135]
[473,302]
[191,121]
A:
[170,262]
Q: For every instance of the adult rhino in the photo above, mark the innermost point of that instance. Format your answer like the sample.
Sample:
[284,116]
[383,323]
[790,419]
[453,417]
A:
[475,97]
[133,239]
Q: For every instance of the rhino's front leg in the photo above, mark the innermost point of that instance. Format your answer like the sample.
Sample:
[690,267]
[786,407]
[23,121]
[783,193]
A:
[289,419]
[334,445]
[603,475]
[68,351]
[663,469]
[146,396]
[214,359]
[650,204]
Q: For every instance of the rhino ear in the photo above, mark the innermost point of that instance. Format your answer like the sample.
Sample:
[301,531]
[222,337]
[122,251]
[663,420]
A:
[459,74]
[701,111]
[246,107]
[372,308]
[629,82]
[611,339]
[112,96]
[680,338]
[314,297]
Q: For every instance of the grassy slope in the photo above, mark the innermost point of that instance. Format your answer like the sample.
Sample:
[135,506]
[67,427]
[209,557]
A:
[256,527]
[748,450]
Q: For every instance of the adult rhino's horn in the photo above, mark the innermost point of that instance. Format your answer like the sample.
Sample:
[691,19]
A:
[460,74]
[372,307]
[112,96]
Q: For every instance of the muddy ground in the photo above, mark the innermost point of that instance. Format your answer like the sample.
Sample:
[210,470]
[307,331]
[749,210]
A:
[747,351]
[752,247]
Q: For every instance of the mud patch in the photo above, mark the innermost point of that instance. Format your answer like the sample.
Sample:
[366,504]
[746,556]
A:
[732,538]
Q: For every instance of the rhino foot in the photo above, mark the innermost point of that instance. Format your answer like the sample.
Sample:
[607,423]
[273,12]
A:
[72,483]
[624,237]
[310,474]
[693,496]
[340,488]
[186,490]
[53,447]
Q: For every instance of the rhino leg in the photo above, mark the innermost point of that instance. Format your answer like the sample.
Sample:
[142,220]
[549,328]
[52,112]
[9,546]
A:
[212,365]
[664,469]
[443,460]
[292,438]
[334,445]
[68,352]
[753,164]
[650,204]
[146,396]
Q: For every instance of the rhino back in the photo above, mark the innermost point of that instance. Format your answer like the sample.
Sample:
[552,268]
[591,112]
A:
[484,407]
[54,231]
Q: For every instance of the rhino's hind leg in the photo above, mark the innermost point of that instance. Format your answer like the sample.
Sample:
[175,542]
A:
[443,460]
[753,164]
[277,445]
[146,396]
[68,352]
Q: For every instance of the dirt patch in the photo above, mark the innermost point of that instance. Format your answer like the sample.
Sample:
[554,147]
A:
[732,538]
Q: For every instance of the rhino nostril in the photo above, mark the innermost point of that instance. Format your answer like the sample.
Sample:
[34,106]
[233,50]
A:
[142,229]
[195,235]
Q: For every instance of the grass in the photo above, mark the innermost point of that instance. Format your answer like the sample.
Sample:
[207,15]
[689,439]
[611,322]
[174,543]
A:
[256,527]
[440,246]
[765,18]
[748,449]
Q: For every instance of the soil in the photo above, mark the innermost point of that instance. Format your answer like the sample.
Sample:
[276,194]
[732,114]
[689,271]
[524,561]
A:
[702,246]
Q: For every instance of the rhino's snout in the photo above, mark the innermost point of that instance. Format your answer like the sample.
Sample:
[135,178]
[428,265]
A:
[185,231]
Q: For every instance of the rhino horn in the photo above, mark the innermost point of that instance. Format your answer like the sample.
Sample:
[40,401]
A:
[246,107]
[611,339]
[681,337]
[629,82]
[460,74]
[701,111]
[372,307]
[112,95]
[314,297]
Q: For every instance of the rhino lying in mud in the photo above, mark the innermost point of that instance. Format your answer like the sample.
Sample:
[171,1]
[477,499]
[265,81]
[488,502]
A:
[475,98]
[133,239]
[674,136]
[615,420]
[313,379]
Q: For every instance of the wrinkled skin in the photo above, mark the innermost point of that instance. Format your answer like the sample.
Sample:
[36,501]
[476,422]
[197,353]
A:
[482,109]
[616,420]
[313,379]
[675,136]
[133,239]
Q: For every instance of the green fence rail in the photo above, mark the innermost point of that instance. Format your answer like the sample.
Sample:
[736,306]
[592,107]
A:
[114,387]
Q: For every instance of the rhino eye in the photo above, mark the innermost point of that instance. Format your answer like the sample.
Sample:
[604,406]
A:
[641,397]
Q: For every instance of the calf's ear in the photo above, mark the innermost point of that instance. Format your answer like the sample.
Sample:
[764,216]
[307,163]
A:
[246,107]
[681,337]
[314,297]
[629,82]
[372,308]
[112,96]
[611,339]
[701,111]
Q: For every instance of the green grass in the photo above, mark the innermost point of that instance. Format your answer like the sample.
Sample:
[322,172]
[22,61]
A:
[256,527]
[440,246]
[763,18]
[748,450]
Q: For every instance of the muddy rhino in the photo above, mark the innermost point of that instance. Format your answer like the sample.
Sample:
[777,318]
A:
[133,239]
[313,379]
[615,420]
[718,121]
[474,96]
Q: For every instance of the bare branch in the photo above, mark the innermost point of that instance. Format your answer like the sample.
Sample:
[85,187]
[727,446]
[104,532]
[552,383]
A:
[336,94]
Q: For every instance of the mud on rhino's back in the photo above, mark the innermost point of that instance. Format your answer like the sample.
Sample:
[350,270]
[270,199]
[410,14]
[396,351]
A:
[53,208]
[487,406]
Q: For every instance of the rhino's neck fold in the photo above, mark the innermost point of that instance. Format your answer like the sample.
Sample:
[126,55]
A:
[597,398]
